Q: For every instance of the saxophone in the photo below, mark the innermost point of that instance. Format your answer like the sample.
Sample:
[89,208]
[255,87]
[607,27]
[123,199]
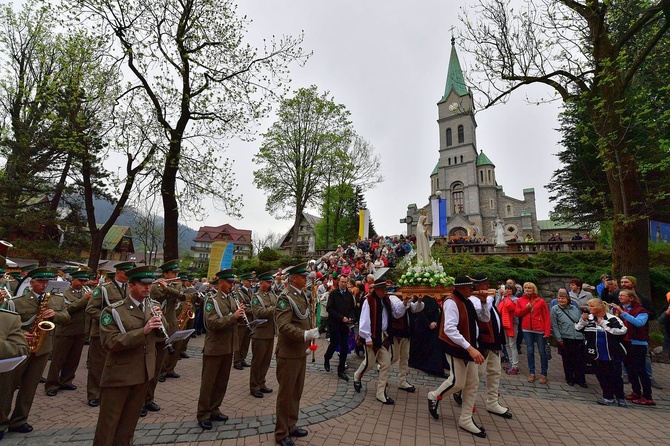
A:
[40,326]
[186,313]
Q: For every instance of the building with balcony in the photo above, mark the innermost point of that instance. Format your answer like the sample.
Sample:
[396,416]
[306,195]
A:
[241,239]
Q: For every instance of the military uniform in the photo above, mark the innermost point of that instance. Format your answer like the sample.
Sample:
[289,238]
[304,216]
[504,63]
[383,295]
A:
[217,358]
[12,344]
[103,296]
[130,364]
[68,342]
[262,341]
[292,314]
[244,337]
[27,376]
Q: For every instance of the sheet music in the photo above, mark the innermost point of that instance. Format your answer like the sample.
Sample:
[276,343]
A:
[257,322]
[179,335]
[7,365]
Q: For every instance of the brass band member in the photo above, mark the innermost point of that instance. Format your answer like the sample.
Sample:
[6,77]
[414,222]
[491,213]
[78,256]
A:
[166,291]
[32,307]
[294,324]
[70,337]
[245,295]
[221,319]
[262,341]
[128,333]
[103,296]
[12,344]
[187,282]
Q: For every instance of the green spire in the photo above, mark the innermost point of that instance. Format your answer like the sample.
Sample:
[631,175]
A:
[483,160]
[455,80]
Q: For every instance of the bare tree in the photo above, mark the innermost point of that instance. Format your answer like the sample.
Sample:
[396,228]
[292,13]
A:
[269,240]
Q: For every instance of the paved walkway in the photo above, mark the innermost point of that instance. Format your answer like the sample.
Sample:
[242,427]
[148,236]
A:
[334,414]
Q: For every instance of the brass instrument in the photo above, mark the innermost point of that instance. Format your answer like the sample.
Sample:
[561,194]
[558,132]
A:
[166,280]
[186,313]
[162,330]
[40,326]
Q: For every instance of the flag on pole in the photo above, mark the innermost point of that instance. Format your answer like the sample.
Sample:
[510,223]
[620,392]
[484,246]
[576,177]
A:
[363,224]
[439,210]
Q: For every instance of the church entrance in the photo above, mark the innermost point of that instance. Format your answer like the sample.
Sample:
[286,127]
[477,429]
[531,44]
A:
[459,235]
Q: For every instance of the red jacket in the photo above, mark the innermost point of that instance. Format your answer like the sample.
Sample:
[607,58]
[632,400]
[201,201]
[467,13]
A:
[536,320]
[506,308]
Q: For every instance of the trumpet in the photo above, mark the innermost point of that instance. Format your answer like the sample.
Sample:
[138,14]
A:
[163,332]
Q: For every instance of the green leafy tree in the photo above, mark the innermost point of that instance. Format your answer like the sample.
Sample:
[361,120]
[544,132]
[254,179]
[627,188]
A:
[296,153]
[200,82]
[589,51]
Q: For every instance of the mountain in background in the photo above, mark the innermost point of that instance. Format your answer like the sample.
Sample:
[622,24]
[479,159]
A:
[103,209]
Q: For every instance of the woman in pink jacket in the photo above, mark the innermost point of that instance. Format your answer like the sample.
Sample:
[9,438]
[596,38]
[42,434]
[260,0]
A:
[536,324]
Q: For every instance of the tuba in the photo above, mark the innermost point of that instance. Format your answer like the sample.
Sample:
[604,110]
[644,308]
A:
[40,326]
[186,313]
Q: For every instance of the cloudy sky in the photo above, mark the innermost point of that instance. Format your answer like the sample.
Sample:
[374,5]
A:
[386,61]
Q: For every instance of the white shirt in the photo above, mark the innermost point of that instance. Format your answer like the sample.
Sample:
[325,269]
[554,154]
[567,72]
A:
[365,329]
[452,316]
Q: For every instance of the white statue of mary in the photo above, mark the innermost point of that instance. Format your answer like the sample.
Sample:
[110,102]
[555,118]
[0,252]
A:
[422,245]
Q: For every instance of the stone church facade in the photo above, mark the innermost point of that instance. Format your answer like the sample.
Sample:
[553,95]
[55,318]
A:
[466,177]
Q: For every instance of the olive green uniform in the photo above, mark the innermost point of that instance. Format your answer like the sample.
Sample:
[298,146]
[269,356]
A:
[243,335]
[129,365]
[12,344]
[220,343]
[68,341]
[293,319]
[262,341]
[27,376]
[104,295]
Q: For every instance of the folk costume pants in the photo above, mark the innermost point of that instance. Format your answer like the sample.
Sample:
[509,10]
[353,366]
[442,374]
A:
[465,377]
[490,371]
[381,357]
[401,356]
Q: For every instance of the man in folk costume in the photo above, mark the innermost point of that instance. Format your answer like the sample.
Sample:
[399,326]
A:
[458,336]
[377,314]
[400,331]
[491,340]
[296,330]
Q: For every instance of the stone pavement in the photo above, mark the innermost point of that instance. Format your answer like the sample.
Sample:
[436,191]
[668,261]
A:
[335,414]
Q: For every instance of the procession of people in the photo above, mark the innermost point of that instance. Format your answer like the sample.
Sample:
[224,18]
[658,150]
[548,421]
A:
[129,315]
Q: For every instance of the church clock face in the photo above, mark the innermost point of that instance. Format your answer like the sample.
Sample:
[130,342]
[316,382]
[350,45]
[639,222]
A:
[453,107]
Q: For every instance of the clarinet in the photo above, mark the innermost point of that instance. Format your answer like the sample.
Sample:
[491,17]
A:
[163,332]
[244,316]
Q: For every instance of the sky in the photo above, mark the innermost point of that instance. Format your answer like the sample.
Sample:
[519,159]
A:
[387,61]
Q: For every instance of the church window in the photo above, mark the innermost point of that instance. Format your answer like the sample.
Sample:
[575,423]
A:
[455,160]
[448,137]
[508,211]
[481,176]
[449,161]
[457,198]
[461,158]
[491,203]
[461,136]
[489,172]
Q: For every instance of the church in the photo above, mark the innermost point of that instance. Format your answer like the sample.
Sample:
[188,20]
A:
[466,177]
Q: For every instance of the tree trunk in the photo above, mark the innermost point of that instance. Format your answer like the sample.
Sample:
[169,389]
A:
[296,230]
[170,206]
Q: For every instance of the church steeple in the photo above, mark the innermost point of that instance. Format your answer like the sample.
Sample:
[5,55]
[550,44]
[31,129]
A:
[455,80]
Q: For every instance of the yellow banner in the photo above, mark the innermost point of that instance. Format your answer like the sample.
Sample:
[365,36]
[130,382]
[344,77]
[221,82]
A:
[363,223]
[215,256]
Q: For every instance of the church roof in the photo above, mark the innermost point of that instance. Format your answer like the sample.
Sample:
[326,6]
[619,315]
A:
[434,172]
[455,80]
[483,160]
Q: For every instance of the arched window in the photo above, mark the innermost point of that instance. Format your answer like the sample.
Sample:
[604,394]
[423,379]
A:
[449,161]
[448,137]
[508,211]
[461,158]
[489,172]
[457,197]
[455,160]
[481,177]
[461,134]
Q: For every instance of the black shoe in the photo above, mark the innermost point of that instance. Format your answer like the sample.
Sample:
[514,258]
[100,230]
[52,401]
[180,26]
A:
[205,425]
[143,412]
[480,434]
[584,385]
[245,364]
[410,389]
[22,429]
[220,417]
[357,386]
[172,375]
[94,403]
[506,414]
[432,408]
[161,379]
[286,441]
[299,433]
[238,367]
[458,398]
[52,392]
[257,394]
[152,407]
[343,376]
[326,366]
[389,401]
[184,355]
[68,387]
[266,389]
[43,380]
